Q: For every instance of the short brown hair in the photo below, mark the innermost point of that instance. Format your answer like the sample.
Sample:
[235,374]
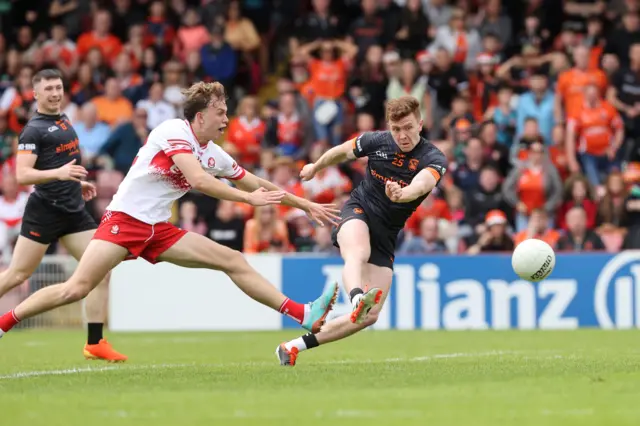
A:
[201,95]
[46,74]
[399,108]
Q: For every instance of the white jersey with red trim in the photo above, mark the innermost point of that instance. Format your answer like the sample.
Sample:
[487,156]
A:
[154,182]
[11,211]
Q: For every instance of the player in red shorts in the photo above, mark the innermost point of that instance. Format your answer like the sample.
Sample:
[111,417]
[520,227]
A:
[179,155]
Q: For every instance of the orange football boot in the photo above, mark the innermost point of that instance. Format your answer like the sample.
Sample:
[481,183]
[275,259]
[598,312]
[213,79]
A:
[104,351]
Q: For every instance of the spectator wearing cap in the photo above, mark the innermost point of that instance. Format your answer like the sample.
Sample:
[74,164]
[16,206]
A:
[534,184]
[594,136]
[578,237]
[428,242]
[537,103]
[492,238]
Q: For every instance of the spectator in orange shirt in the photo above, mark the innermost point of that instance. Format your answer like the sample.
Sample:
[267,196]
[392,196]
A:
[191,36]
[538,227]
[113,108]
[60,52]
[328,78]
[265,232]
[109,45]
[572,83]
[533,185]
[595,133]
[245,133]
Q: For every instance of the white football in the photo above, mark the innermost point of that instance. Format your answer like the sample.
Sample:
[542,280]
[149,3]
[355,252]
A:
[533,260]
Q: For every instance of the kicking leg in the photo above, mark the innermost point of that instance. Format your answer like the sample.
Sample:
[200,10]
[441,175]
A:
[99,258]
[355,248]
[196,251]
[96,304]
[26,257]
[381,277]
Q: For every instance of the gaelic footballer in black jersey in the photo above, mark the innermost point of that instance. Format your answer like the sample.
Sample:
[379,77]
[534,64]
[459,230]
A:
[369,202]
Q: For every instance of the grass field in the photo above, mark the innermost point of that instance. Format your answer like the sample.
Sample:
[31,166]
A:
[377,378]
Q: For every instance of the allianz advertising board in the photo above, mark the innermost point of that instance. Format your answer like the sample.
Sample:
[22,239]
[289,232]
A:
[483,292]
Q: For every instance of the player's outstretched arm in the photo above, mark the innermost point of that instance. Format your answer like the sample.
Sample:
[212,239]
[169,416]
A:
[422,184]
[318,212]
[209,185]
[336,155]
[26,174]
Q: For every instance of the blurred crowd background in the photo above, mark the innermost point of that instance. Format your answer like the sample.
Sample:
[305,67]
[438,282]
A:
[536,103]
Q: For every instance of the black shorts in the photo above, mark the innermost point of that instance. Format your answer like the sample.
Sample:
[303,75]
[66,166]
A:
[44,223]
[382,239]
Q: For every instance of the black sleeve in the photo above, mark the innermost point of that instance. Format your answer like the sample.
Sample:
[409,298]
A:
[617,81]
[368,143]
[29,141]
[438,162]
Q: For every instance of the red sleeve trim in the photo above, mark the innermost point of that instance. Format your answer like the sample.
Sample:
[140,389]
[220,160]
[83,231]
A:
[173,151]
[238,176]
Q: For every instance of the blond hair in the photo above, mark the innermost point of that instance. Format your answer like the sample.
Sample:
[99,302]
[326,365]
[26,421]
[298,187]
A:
[200,96]
[399,108]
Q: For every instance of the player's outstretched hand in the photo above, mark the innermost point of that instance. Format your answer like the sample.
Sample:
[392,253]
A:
[393,191]
[72,172]
[308,172]
[263,197]
[88,191]
[321,213]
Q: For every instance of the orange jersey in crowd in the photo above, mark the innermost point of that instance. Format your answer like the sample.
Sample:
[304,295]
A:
[109,45]
[328,78]
[246,136]
[595,127]
[438,209]
[550,236]
[531,189]
[571,84]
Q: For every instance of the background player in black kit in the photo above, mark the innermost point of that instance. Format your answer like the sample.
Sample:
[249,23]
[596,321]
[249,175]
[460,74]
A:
[403,168]
[49,158]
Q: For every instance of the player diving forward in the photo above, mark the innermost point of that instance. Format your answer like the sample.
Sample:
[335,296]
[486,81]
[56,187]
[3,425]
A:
[49,158]
[403,168]
[179,155]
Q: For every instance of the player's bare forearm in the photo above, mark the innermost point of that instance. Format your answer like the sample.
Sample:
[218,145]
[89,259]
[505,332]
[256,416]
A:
[422,184]
[214,188]
[251,182]
[30,176]
[336,155]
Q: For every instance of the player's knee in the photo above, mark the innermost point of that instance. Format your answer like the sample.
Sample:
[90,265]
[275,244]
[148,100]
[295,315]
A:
[15,277]
[235,263]
[73,291]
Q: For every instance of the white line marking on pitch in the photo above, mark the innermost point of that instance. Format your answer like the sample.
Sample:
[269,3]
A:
[82,370]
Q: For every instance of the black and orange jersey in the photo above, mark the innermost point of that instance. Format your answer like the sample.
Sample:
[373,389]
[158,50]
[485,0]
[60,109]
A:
[55,142]
[388,162]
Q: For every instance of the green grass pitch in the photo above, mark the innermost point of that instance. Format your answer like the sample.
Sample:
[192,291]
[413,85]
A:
[586,377]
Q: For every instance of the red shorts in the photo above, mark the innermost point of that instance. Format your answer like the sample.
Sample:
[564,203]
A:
[141,239]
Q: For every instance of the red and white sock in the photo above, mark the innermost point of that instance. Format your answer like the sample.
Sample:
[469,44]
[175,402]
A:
[293,310]
[8,320]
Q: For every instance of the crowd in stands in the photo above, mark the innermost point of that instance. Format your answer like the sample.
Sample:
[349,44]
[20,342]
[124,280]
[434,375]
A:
[536,104]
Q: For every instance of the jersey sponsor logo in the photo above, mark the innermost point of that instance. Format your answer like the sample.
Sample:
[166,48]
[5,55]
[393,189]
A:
[27,147]
[384,179]
[52,129]
[72,147]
